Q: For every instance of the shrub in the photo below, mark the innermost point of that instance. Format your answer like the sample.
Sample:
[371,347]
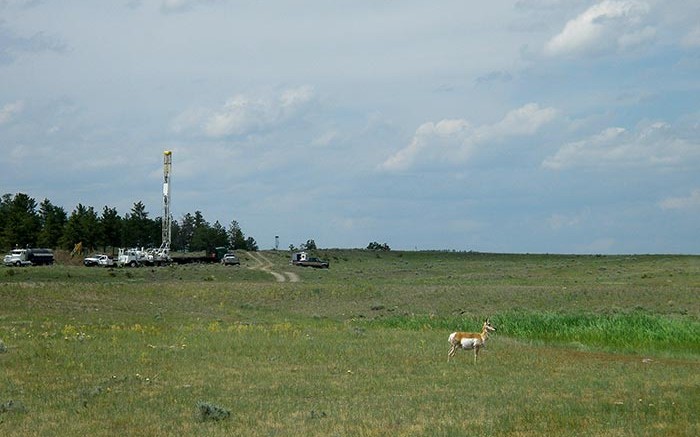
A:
[207,411]
[13,406]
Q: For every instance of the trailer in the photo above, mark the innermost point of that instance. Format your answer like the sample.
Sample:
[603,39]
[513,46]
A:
[200,257]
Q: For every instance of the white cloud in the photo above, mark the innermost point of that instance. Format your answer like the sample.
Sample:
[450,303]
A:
[243,114]
[21,3]
[453,141]
[692,38]
[14,45]
[688,202]
[8,111]
[295,97]
[538,4]
[175,6]
[636,38]
[435,141]
[239,115]
[525,120]
[607,25]
[325,139]
[587,152]
[649,145]
[190,119]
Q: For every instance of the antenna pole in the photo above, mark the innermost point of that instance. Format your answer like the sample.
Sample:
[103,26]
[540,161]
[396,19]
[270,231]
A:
[167,168]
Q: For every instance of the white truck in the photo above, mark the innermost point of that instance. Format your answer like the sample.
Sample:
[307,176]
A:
[136,257]
[304,260]
[159,256]
[98,260]
[28,257]
[133,257]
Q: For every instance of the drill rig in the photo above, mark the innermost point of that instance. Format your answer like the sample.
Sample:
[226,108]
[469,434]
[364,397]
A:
[167,219]
[161,256]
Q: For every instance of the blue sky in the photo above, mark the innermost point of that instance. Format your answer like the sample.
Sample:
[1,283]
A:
[538,126]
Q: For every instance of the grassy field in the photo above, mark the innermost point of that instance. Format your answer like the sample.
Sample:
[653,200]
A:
[586,345]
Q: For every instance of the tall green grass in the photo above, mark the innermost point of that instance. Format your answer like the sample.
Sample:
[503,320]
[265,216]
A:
[632,332]
[629,332]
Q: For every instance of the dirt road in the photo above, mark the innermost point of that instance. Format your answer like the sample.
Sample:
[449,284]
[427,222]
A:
[264,264]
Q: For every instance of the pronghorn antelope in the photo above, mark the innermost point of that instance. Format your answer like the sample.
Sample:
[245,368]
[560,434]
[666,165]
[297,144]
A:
[470,340]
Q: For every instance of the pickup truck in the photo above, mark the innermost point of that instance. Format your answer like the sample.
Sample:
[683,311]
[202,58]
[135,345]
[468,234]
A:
[313,262]
[230,259]
[98,260]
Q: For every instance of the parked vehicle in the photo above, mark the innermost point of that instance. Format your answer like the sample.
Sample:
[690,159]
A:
[314,262]
[136,257]
[98,260]
[230,259]
[29,257]
[203,256]
[133,257]
[304,260]
[158,257]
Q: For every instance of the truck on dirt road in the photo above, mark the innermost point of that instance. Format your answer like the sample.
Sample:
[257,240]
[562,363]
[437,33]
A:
[303,259]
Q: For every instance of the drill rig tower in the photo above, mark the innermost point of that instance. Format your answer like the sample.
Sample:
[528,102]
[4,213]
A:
[166,235]
[161,256]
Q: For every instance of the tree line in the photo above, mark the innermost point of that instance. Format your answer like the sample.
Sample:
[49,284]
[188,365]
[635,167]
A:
[24,223]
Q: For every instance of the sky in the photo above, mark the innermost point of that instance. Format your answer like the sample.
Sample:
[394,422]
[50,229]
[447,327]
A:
[518,126]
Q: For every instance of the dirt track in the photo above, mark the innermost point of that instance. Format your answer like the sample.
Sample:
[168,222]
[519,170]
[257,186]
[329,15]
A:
[264,264]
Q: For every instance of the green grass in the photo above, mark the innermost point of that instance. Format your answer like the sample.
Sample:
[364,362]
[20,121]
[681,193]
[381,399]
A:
[585,346]
[635,332]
